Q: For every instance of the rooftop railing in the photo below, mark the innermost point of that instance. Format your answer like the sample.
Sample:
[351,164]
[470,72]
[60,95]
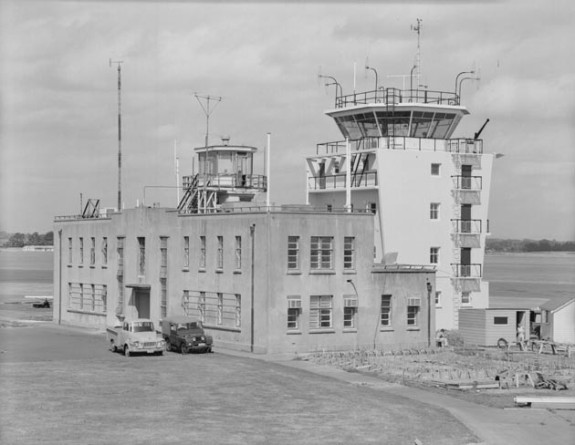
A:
[457,146]
[394,96]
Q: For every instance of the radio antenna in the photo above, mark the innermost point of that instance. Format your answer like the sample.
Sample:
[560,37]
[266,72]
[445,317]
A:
[208,112]
[417,28]
[119,63]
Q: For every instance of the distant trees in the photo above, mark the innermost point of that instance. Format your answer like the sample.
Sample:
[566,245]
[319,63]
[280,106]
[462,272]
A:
[30,239]
[544,245]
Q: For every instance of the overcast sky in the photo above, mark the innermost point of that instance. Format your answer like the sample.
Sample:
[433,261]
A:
[59,94]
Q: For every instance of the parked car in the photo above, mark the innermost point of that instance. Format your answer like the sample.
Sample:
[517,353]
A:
[185,334]
[136,336]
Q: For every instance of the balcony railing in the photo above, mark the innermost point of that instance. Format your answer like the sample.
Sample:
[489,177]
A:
[395,96]
[466,270]
[339,181]
[467,226]
[227,180]
[458,146]
[473,183]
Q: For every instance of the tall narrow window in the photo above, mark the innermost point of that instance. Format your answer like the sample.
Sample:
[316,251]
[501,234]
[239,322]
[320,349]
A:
[163,257]
[120,306]
[349,311]
[92,251]
[70,255]
[434,255]
[104,251]
[141,256]
[293,312]
[438,298]
[81,296]
[320,311]
[202,306]
[104,298]
[186,252]
[202,252]
[238,252]
[412,311]
[220,256]
[93,297]
[434,210]
[322,252]
[220,308]
[349,253]
[293,252]
[386,310]
[238,310]
[186,302]
[163,297]
[120,252]
[81,250]
[70,303]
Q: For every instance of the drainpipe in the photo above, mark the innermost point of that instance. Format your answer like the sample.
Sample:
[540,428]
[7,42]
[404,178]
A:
[428,314]
[60,276]
[252,278]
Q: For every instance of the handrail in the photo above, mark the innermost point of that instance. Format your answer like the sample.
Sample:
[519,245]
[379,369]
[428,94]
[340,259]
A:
[467,226]
[455,146]
[466,270]
[395,96]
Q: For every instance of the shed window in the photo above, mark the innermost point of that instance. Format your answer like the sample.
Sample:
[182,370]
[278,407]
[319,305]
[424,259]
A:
[500,320]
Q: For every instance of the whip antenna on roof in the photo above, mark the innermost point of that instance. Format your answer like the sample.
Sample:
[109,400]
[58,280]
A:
[207,110]
[417,29]
[119,63]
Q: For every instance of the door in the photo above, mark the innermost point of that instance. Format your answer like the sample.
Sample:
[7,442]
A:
[466,176]
[466,218]
[466,262]
[142,303]
[322,175]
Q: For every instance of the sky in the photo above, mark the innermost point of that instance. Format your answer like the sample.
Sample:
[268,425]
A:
[59,101]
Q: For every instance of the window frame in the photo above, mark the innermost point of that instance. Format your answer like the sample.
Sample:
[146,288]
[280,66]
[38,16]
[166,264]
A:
[434,255]
[322,253]
[349,256]
[321,312]
[293,253]
[385,313]
[434,211]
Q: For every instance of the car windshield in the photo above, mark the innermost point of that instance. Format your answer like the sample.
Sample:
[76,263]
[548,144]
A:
[143,326]
[187,326]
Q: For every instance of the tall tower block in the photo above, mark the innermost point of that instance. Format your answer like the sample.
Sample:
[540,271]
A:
[429,193]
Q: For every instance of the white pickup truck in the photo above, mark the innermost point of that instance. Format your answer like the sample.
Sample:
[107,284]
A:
[135,336]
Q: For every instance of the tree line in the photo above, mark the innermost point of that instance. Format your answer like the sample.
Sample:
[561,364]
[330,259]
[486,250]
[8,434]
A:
[526,245]
[29,239]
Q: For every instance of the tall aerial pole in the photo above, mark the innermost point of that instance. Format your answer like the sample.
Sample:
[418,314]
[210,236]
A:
[207,110]
[119,63]
[417,29]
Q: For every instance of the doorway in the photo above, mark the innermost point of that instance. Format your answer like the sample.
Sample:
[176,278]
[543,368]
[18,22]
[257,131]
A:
[142,303]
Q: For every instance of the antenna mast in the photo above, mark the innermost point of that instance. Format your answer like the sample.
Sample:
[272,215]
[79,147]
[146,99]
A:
[418,54]
[119,63]
[207,110]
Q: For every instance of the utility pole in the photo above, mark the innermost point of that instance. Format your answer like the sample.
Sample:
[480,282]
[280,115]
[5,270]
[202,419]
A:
[417,29]
[119,63]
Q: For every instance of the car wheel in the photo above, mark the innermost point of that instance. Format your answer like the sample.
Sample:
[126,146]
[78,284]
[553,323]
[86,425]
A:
[502,343]
[184,348]
[113,346]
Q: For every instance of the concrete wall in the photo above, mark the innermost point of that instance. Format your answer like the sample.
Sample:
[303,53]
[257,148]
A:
[263,277]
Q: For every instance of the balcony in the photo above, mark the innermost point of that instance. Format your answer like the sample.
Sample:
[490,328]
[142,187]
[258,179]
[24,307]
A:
[459,146]
[466,233]
[339,181]
[466,277]
[467,189]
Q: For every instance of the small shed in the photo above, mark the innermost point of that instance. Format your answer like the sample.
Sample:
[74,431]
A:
[484,327]
[558,320]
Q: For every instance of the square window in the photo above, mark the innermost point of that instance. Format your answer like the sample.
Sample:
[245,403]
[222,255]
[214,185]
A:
[435,169]
[465,298]
[322,252]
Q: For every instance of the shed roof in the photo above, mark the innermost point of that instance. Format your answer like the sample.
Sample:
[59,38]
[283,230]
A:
[553,304]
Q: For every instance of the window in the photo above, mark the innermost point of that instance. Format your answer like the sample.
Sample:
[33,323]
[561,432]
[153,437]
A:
[465,297]
[104,298]
[70,297]
[186,252]
[92,251]
[320,311]
[120,252]
[349,253]
[163,256]
[238,252]
[120,307]
[386,310]
[294,312]
[92,297]
[435,169]
[104,251]
[70,256]
[163,297]
[413,305]
[499,320]
[202,306]
[373,207]
[349,311]
[322,252]
[438,298]
[220,257]
[81,296]
[141,256]
[238,310]
[81,250]
[220,308]
[434,210]
[293,252]
[434,255]
[202,252]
